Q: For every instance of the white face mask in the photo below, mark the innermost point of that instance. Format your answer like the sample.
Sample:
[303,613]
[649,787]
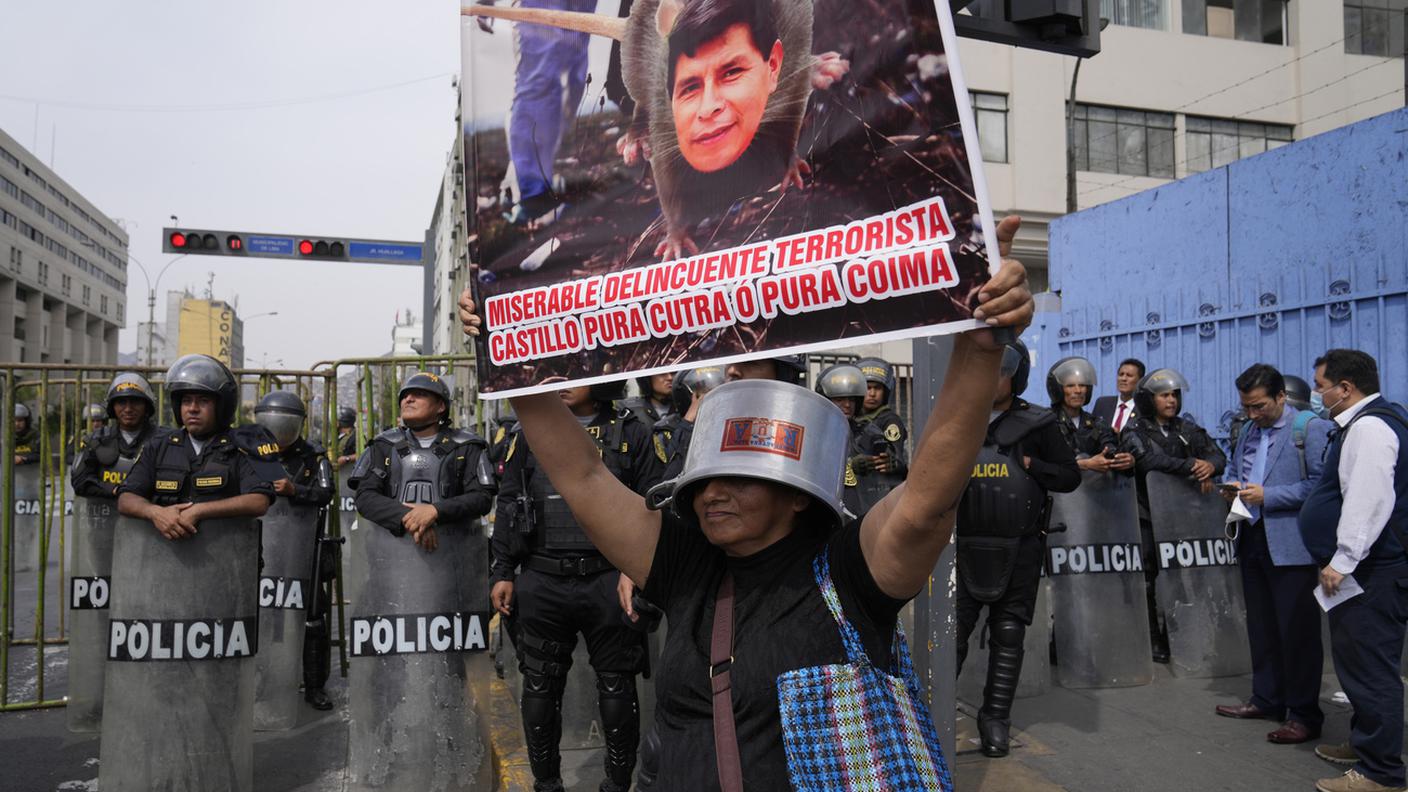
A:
[1319,407]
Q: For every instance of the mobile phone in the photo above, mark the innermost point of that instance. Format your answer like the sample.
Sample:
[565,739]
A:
[1230,487]
[1110,453]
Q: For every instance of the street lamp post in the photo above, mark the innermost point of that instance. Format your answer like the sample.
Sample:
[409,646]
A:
[151,295]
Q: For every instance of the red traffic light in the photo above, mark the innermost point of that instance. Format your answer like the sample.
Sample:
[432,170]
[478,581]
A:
[322,248]
[178,239]
[305,247]
[234,244]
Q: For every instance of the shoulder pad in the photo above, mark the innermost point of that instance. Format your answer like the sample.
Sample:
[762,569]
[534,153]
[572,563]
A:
[391,436]
[314,446]
[463,437]
[1021,421]
[666,424]
[254,440]
[624,415]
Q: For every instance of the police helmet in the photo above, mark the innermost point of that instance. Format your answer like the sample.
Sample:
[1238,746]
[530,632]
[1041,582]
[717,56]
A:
[282,413]
[1017,364]
[687,383]
[129,385]
[1164,380]
[879,372]
[791,368]
[842,381]
[22,411]
[346,416]
[203,374]
[1070,371]
[607,391]
[1297,392]
[430,383]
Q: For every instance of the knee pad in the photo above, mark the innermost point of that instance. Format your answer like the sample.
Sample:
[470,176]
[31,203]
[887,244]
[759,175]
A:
[542,700]
[1007,633]
[616,694]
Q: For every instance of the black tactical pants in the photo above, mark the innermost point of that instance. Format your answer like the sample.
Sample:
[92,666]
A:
[1015,604]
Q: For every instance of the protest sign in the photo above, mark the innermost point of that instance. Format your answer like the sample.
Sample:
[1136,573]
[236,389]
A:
[654,185]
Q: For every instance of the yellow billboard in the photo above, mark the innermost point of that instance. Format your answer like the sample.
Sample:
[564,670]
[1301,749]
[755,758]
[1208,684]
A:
[207,328]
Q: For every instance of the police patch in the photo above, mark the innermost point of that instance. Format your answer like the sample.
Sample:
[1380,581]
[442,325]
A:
[892,433]
[660,449]
[851,479]
[168,486]
[763,434]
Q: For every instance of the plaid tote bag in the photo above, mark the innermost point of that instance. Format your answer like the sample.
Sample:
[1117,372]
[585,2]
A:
[854,727]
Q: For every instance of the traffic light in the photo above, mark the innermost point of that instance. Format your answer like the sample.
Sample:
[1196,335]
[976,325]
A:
[203,242]
[322,248]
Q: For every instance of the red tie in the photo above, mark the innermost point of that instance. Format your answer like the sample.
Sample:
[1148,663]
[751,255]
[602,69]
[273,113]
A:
[1119,418]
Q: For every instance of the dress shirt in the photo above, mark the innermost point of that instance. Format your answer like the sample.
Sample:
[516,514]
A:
[1249,450]
[1367,462]
[1120,422]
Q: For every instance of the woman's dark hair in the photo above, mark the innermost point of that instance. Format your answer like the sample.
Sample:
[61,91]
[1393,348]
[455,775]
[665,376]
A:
[1351,365]
[1136,362]
[1261,375]
[703,21]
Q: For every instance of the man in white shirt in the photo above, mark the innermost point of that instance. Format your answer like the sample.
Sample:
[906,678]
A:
[1118,411]
[1353,523]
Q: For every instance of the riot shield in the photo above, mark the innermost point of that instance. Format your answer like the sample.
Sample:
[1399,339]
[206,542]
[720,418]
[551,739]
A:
[285,587]
[1097,585]
[1199,586]
[89,590]
[415,722]
[354,558]
[27,518]
[178,712]
[1036,655]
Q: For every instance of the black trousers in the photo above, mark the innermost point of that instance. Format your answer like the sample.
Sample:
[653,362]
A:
[1016,602]
[1283,630]
[1366,641]
[557,608]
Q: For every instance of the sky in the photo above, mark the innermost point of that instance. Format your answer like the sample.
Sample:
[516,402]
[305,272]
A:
[303,117]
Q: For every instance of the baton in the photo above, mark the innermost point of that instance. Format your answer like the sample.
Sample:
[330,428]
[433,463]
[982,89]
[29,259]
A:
[314,615]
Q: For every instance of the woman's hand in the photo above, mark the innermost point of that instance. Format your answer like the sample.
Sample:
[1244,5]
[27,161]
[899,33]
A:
[1005,301]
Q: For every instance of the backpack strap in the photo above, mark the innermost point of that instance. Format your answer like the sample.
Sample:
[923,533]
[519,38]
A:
[1303,419]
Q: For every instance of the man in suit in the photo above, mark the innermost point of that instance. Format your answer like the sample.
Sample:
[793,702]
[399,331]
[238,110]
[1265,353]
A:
[1118,411]
[1274,464]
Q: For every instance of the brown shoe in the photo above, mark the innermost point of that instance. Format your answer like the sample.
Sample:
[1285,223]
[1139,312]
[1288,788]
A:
[1340,754]
[1244,712]
[1292,733]
[1353,782]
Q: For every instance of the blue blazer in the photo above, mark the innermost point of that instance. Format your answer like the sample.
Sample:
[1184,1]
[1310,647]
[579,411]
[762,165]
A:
[1285,489]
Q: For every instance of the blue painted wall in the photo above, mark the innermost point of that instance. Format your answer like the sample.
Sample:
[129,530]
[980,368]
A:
[1274,259]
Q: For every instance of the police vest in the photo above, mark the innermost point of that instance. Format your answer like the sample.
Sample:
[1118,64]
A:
[427,475]
[211,475]
[1320,514]
[1080,432]
[113,465]
[558,529]
[305,464]
[1002,499]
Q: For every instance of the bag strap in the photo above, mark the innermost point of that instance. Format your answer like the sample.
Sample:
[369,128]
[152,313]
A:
[730,765]
[901,664]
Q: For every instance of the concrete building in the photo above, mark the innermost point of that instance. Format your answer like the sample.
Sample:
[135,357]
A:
[193,325]
[406,335]
[63,267]
[447,251]
[1179,87]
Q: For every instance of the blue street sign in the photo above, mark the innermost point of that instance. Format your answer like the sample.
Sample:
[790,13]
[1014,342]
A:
[383,251]
[269,246]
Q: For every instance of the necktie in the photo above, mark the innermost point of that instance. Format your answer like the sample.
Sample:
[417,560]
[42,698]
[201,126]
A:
[1259,469]
[1119,418]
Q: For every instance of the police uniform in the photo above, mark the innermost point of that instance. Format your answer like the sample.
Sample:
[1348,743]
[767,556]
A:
[563,586]
[310,473]
[451,473]
[1171,448]
[169,470]
[1001,543]
[880,431]
[26,442]
[1087,435]
[105,457]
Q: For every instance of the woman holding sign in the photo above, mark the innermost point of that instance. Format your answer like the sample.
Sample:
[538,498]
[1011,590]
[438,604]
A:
[755,571]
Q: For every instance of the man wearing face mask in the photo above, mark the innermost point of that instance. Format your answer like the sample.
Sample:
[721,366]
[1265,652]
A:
[1355,525]
[1002,536]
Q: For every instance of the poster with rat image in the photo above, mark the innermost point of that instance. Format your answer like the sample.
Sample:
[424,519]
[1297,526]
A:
[655,185]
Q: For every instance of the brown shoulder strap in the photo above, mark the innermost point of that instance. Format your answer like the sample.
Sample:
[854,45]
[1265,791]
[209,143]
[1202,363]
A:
[720,665]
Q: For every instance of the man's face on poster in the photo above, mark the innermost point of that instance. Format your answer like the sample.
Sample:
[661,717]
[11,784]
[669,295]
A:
[719,97]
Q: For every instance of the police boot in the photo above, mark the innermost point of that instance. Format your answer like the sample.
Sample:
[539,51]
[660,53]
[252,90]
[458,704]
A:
[1158,636]
[620,720]
[317,665]
[1004,669]
[542,729]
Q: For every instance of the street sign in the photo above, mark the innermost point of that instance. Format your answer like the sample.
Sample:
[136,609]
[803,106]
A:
[384,251]
[251,244]
[268,245]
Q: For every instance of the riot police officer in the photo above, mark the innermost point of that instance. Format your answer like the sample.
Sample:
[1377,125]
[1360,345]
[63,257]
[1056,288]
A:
[26,437]
[654,401]
[1297,392]
[553,584]
[199,463]
[1165,442]
[106,455]
[308,483]
[1070,383]
[880,462]
[844,385]
[1001,537]
[96,416]
[346,436]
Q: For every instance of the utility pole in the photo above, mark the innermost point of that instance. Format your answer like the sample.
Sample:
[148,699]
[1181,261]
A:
[1071,142]
[151,296]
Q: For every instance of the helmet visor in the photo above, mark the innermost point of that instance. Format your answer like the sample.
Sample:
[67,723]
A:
[1011,361]
[282,425]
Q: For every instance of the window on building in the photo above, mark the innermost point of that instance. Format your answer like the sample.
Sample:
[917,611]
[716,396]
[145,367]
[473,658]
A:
[1374,27]
[1128,142]
[65,284]
[103,304]
[10,158]
[1152,14]
[43,273]
[1262,21]
[991,112]
[87,295]
[1214,142]
[120,311]
[16,259]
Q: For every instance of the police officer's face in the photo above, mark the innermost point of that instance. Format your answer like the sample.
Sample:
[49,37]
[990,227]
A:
[1126,380]
[21,424]
[660,385]
[420,407]
[719,97]
[752,369]
[1166,404]
[1263,410]
[1073,395]
[1004,391]
[874,396]
[847,405]
[130,412]
[743,516]
[576,398]
[198,413]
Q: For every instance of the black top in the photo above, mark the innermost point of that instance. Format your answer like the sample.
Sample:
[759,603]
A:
[780,624]
[1086,434]
[309,472]
[466,499]
[27,447]
[168,470]
[95,472]
[1053,462]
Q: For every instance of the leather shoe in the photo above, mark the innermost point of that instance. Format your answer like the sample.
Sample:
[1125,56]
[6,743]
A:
[318,699]
[1244,712]
[1292,733]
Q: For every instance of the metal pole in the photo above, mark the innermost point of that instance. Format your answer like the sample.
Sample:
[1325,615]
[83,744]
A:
[934,626]
[7,528]
[1404,55]
[45,521]
[1071,142]
[151,321]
